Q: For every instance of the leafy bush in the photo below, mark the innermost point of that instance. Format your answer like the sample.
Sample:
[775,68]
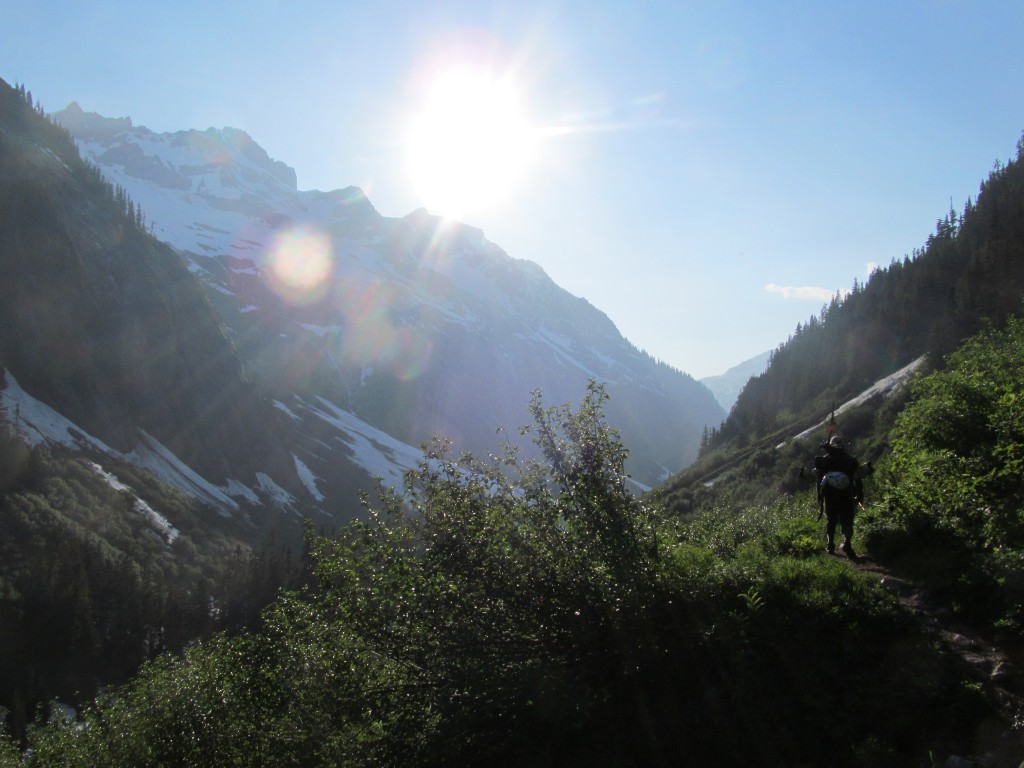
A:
[952,505]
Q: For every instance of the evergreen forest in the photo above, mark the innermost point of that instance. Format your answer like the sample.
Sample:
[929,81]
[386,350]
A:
[89,591]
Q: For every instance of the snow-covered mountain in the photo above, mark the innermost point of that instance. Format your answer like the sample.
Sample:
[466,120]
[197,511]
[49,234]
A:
[372,334]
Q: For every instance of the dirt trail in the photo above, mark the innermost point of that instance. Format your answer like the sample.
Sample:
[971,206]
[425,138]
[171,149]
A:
[985,663]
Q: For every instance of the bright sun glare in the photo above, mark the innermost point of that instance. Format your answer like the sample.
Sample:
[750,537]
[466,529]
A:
[469,144]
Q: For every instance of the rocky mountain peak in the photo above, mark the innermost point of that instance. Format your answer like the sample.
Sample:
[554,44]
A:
[90,125]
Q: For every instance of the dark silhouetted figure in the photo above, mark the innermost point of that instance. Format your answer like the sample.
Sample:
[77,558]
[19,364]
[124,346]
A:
[839,491]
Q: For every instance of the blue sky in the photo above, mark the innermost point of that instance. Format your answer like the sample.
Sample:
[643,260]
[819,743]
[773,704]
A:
[709,171]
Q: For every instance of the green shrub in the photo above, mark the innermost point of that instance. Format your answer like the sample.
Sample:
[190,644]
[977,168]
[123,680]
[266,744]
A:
[952,501]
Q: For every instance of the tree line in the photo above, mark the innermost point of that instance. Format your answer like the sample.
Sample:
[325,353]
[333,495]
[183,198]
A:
[16,104]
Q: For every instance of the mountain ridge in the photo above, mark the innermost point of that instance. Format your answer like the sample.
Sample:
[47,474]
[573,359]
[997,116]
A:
[415,326]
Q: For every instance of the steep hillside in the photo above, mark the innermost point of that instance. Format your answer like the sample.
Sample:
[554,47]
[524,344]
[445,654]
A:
[116,374]
[102,567]
[105,325]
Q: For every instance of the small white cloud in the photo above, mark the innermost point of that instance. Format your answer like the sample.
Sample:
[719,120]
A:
[800,292]
[872,266]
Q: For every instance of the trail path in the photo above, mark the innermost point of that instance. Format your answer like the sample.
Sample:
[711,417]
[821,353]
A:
[984,663]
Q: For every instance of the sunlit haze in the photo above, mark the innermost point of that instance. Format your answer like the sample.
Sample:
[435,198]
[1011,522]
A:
[708,174]
[469,143]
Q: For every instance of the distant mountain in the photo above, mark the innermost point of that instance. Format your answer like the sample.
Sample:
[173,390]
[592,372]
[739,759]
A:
[315,343]
[726,387]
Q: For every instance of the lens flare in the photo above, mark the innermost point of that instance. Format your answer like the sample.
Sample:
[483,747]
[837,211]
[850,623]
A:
[299,263]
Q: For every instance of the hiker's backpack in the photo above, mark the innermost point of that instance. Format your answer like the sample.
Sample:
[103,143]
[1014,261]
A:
[836,481]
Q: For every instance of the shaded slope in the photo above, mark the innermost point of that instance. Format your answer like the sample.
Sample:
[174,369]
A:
[104,323]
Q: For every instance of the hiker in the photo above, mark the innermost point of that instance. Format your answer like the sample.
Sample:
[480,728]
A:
[839,492]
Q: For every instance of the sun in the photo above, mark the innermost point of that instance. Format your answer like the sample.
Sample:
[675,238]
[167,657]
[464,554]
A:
[469,143]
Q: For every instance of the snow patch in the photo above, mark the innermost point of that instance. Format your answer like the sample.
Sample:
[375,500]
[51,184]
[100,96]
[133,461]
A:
[377,452]
[53,154]
[884,387]
[240,490]
[266,485]
[164,529]
[35,422]
[151,454]
[161,524]
[282,407]
[308,478]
